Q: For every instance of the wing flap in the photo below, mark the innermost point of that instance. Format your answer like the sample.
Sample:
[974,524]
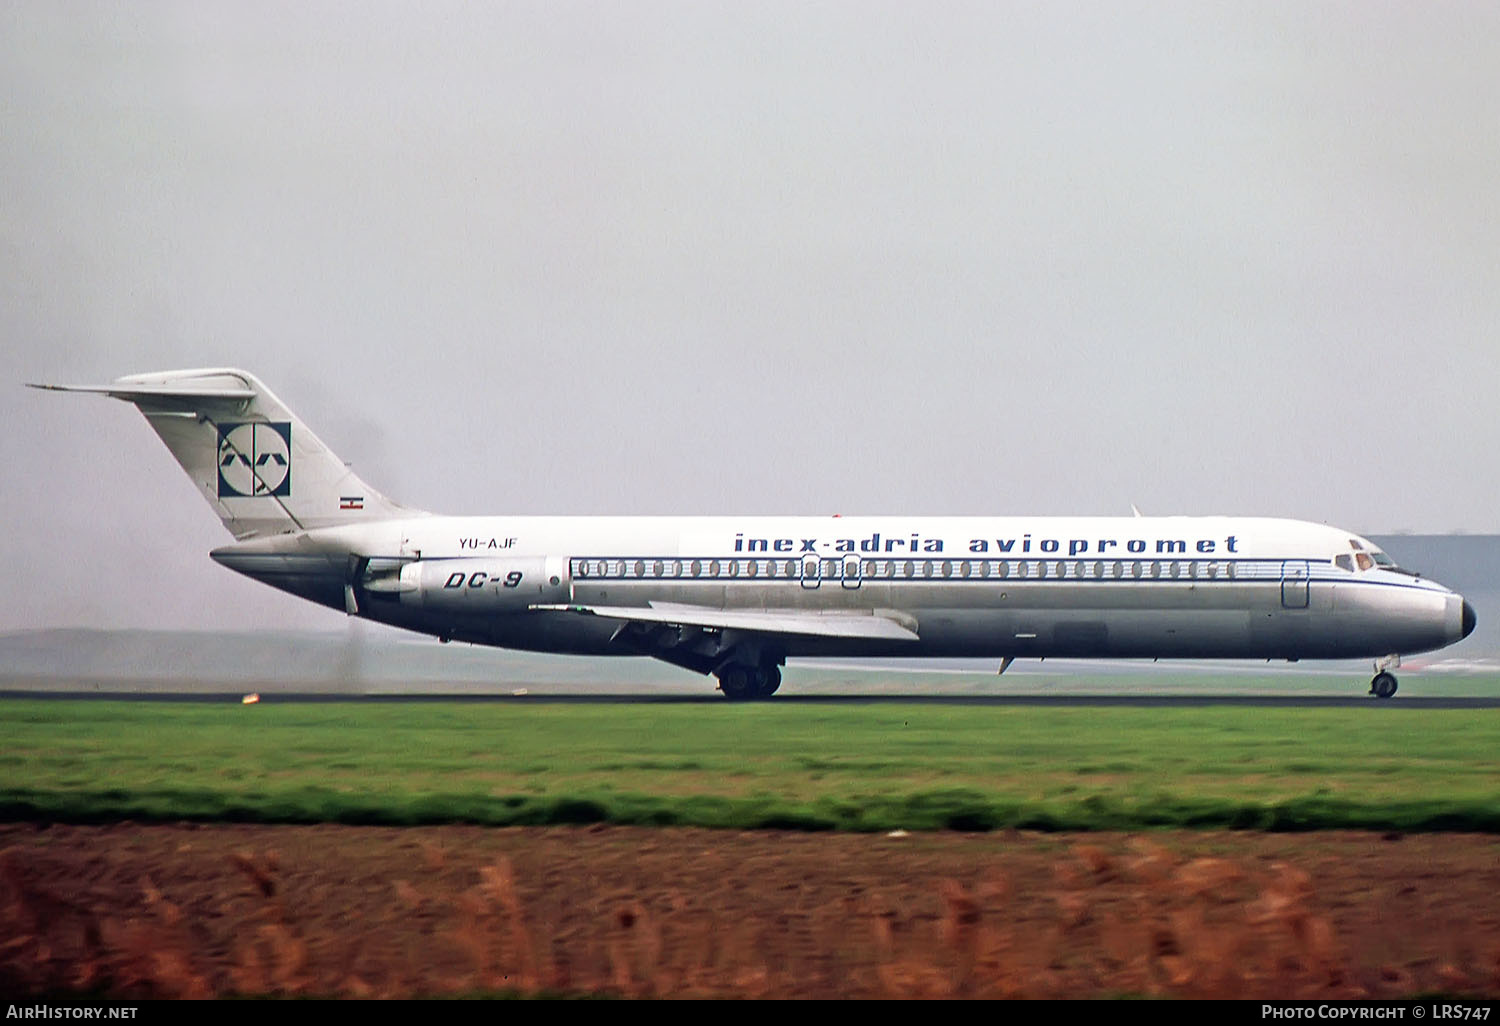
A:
[879,625]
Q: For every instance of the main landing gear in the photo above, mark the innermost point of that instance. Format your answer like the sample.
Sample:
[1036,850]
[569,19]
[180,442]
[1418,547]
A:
[741,682]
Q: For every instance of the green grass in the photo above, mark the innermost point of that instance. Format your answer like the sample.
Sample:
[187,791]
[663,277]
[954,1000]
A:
[846,766]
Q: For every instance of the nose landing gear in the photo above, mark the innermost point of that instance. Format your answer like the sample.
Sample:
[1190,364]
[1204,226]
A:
[1383,685]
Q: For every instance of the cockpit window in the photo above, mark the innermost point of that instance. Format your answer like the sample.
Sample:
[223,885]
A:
[1345,562]
[1367,557]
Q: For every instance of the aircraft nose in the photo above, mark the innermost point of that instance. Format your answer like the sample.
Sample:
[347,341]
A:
[1469,620]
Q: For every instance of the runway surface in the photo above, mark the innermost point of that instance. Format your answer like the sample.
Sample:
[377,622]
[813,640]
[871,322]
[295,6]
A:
[1354,701]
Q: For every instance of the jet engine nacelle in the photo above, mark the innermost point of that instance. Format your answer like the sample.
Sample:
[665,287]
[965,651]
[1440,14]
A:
[485,585]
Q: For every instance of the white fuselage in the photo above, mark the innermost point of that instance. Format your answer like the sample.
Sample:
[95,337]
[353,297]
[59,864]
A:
[1002,587]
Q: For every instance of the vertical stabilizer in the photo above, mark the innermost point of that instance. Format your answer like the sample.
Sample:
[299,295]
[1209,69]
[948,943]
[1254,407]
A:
[259,466]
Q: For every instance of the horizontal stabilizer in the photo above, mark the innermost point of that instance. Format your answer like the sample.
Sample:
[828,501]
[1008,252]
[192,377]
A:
[158,394]
[833,624]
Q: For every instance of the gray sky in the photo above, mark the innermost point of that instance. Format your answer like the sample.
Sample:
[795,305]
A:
[700,258]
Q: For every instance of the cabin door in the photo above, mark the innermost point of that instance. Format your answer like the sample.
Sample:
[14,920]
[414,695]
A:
[1294,584]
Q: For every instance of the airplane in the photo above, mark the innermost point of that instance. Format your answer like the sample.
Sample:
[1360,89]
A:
[736,596]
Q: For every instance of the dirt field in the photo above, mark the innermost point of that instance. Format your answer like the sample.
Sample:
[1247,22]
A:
[215,910]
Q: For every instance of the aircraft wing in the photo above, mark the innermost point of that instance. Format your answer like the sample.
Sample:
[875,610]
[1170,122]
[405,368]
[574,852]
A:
[881,625]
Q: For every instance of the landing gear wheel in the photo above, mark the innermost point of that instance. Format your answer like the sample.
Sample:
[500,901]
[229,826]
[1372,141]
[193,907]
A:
[738,683]
[743,683]
[1384,685]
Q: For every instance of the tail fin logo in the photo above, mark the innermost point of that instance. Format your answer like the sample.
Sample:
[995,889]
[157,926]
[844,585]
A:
[255,460]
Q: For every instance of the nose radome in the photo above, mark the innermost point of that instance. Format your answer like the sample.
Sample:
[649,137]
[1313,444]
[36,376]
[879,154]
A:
[1469,620]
